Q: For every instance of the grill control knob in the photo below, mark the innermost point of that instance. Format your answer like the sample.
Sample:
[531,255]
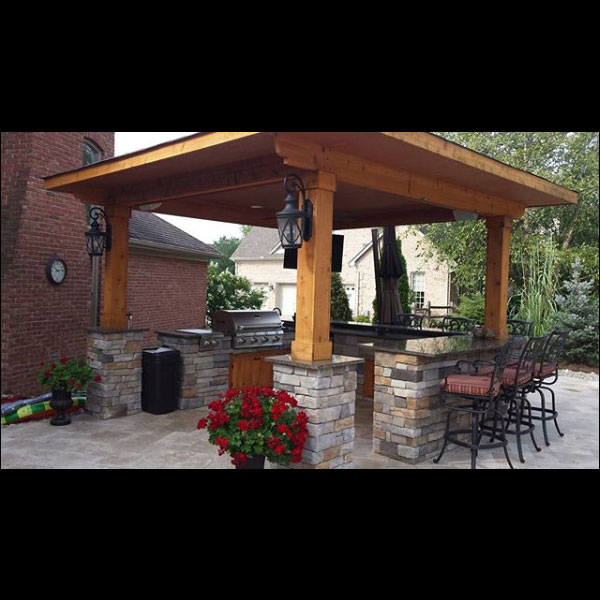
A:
[265,339]
[214,343]
[241,341]
[276,338]
[254,340]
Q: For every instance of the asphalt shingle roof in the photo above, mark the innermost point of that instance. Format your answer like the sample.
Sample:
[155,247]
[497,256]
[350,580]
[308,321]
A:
[147,227]
[259,243]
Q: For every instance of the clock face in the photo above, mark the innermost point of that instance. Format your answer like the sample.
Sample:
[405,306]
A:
[56,271]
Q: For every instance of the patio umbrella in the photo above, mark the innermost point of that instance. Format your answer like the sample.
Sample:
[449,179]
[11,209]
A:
[391,271]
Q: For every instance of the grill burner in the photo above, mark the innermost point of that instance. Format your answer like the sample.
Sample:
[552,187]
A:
[250,329]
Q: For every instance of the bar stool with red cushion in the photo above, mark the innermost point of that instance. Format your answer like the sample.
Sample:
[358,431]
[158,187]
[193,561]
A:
[546,375]
[481,393]
[518,381]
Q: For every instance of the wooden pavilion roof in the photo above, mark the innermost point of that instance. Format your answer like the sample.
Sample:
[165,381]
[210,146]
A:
[395,178]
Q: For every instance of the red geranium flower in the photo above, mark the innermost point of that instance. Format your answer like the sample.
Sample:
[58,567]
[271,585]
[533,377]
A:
[256,422]
[64,361]
[97,379]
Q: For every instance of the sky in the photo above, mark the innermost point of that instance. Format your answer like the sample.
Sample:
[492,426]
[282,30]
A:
[206,231]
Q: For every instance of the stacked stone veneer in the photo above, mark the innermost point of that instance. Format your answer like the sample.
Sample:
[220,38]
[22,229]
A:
[409,420]
[326,392]
[204,373]
[350,345]
[117,357]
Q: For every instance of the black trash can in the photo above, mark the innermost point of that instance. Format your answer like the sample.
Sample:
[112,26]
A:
[160,380]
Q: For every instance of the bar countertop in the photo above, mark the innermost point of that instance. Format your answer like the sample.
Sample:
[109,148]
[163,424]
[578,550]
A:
[439,346]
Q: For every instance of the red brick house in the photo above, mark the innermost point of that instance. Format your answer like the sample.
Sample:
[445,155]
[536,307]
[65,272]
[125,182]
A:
[40,320]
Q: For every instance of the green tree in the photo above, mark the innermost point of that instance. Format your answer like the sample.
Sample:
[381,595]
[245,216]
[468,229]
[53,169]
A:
[340,305]
[403,284]
[226,246]
[578,314]
[229,292]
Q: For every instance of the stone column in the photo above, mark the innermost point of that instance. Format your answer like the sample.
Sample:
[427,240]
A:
[326,392]
[117,357]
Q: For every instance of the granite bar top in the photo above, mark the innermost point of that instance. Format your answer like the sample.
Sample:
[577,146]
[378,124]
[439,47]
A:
[335,361]
[439,347]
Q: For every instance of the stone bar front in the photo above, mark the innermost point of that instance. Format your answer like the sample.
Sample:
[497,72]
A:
[326,392]
[409,420]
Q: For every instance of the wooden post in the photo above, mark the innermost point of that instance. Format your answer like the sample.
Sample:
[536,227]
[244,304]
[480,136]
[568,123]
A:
[114,315]
[313,312]
[498,262]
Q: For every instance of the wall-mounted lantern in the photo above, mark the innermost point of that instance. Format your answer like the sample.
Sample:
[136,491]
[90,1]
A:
[97,240]
[295,224]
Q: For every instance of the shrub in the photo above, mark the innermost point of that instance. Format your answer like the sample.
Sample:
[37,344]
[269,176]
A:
[472,308]
[340,305]
[578,314]
[226,291]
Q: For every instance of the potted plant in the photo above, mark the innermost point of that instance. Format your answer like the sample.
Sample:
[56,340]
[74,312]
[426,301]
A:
[64,377]
[254,424]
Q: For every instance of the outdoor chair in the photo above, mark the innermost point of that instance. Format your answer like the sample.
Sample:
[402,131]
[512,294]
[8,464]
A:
[410,321]
[518,381]
[481,393]
[520,328]
[546,375]
[458,324]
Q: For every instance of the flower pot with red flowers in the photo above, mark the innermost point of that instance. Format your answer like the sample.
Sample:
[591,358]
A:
[257,424]
[64,377]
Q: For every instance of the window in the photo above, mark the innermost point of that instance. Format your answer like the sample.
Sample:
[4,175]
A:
[91,153]
[417,284]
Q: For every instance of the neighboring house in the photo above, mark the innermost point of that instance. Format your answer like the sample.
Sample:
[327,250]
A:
[167,267]
[260,259]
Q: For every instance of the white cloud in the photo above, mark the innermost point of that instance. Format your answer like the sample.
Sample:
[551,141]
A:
[206,231]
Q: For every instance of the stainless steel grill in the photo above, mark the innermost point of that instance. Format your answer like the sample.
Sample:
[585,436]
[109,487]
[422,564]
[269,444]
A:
[250,329]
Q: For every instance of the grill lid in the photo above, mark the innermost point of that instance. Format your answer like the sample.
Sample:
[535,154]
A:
[240,321]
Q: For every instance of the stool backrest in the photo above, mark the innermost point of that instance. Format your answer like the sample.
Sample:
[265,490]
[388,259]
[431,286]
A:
[502,360]
[520,328]
[410,321]
[459,324]
[553,351]
[526,367]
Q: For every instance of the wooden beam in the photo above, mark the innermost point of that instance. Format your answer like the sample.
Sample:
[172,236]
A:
[313,311]
[370,175]
[239,176]
[497,278]
[114,315]
[145,157]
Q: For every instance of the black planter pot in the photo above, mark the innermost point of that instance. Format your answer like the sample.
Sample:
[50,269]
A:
[61,402]
[255,463]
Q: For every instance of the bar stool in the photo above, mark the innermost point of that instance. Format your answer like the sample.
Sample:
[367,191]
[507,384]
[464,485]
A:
[482,392]
[546,375]
[517,382]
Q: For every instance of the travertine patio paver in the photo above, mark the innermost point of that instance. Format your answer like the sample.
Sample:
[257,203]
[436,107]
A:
[145,441]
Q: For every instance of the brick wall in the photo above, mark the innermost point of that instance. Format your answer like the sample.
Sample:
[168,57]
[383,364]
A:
[166,294]
[40,319]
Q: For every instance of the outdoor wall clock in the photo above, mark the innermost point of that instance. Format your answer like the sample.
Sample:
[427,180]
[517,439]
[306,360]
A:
[56,271]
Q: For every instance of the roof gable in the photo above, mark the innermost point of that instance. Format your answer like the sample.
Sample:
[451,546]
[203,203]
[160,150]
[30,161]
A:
[148,227]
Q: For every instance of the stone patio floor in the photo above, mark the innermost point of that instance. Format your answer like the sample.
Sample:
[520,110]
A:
[145,441]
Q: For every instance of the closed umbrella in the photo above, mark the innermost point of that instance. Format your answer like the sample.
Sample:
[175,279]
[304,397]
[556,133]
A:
[391,272]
